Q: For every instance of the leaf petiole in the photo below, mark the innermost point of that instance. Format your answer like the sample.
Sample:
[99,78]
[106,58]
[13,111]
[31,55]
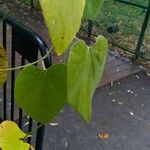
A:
[20,67]
[34,130]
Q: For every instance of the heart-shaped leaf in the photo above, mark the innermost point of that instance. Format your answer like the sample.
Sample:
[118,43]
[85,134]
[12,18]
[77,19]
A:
[10,137]
[63,19]
[92,8]
[3,65]
[42,93]
[85,68]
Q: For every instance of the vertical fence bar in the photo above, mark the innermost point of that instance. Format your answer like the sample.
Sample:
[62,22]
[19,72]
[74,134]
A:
[30,129]
[4,101]
[20,118]
[12,81]
[20,110]
[90,28]
[43,49]
[40,137]
[41,130]
[142,34]
[5,85]
[30,124]
[32,3]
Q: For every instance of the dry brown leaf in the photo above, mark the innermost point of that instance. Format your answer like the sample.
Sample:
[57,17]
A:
[103,136]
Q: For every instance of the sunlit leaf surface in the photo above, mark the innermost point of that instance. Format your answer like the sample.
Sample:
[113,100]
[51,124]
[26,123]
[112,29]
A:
[11,137]
[42,93]
[85,68]
[63,18]
[92,8]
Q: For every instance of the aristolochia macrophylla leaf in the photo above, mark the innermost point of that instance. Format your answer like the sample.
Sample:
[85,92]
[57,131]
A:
[42,93]
[85,68]
[63,18]
[3,65]
[92,8]
[11,137]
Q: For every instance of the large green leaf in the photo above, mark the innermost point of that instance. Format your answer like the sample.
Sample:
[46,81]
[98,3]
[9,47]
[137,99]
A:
[11,137]
[92,8]
[63,18]
[42,93]
[85,68]
[3,65]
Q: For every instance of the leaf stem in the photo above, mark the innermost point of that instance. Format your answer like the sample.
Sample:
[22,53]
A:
[20,67]
[34,130]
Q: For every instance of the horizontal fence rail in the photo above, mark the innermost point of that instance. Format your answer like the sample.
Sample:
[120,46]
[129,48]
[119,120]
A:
[132,4]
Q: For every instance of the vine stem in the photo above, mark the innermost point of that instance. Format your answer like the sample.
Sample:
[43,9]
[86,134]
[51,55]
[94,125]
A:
[20,67]
[34,130]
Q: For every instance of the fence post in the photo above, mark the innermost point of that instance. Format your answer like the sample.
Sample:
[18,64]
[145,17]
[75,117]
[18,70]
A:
[32,4]
[40,137]
[90,28]
[142,34]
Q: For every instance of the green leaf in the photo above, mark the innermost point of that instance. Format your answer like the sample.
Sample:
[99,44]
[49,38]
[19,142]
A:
[92,8]
[10,137]
[42,93]
[85,68]
[3,65]
[63,19]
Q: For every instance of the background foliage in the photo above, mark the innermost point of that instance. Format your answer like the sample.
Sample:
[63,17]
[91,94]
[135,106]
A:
[129,19]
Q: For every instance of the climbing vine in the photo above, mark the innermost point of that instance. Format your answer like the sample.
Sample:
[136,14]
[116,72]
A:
[42,93]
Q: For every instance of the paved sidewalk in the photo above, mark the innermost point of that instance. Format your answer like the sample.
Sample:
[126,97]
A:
[122,110]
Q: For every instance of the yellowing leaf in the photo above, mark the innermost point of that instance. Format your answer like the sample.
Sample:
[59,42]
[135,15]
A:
[3,65]
[63,18]
[32,148]
[85,68]
[10,137]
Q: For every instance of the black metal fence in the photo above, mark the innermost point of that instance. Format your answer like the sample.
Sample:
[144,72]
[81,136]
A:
[23,46]
[137,47]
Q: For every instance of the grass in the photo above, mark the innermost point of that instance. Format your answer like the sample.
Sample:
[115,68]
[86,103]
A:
[128,18]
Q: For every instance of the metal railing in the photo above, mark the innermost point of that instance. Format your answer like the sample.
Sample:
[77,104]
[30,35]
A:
[137,52]
[28,45]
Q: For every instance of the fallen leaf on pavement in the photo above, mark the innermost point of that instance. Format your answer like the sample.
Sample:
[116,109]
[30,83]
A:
[103,136]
